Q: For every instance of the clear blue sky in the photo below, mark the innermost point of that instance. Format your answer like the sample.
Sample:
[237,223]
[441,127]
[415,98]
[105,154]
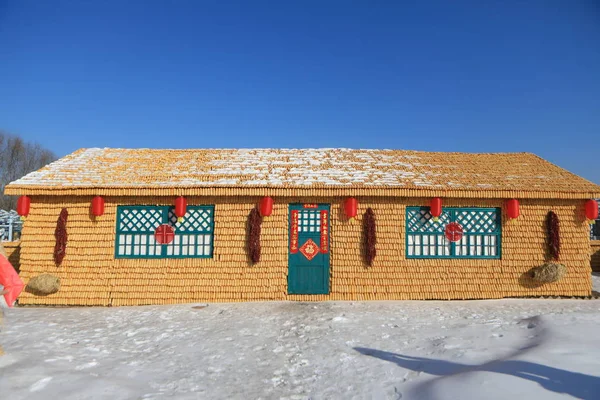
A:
[474,76]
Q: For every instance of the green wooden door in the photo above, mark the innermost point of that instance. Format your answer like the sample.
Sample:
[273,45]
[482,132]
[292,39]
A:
[308,260]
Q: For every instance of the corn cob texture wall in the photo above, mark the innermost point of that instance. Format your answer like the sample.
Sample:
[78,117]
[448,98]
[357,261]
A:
[595,255]
[12,250]
[90,275]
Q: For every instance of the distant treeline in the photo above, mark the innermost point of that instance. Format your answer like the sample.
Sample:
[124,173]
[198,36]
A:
[18,158]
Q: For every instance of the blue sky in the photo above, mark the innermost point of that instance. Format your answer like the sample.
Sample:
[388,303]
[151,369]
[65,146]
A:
[473,76]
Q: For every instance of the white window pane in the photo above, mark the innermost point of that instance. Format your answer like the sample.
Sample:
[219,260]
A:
[192,250]
[176,250]
[206,250]
[417,250]
[200,250]
[169,250]
[121,250]
[136,251]
[127,239]
[184,250]
[192,240]
[177,239]
[151,250]
[184,239]
[207,239]
[426,250]
[143,250]
[200,239]
[426,239]
[128,250]
[410,239]
[144,239]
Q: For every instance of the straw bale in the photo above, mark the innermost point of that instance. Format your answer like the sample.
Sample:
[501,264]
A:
[43,285]
[548,273]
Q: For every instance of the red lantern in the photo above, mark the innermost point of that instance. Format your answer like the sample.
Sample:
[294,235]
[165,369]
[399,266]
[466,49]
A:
[512,208]
[265,206]
[23,205]
[180,208]
[591,210]
[435,208]
[97,206]
[351,208]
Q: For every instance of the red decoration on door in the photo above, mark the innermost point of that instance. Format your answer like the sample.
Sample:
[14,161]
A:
[294,232]
[310,206]
[164,234]
[309,249]
[454,232]
[324,231]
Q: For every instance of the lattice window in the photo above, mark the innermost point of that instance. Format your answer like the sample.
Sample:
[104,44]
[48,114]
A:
[136,226]
[309,221]
[425,238]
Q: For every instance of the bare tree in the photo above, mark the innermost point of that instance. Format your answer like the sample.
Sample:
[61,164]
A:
[18,158]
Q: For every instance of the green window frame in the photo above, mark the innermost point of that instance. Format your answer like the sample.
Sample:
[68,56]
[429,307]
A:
[194,235]
[482,238]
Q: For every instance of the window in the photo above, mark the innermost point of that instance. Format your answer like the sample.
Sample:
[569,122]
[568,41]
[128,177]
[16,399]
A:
[136,226]
[426,238]
[309,221]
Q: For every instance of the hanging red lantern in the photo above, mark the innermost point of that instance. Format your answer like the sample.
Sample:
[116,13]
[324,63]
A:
[265,206]
[180,208]
[435,208]
[591,210]
[23,205]
[351,208]
[512,208]
[97,206]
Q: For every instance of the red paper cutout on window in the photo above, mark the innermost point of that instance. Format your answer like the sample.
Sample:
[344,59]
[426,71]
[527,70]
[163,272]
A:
[164,234]
[454,232]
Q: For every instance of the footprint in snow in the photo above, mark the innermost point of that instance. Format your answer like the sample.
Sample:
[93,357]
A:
[39,385]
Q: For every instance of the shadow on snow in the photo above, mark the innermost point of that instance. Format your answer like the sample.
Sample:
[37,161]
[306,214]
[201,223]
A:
[557,380]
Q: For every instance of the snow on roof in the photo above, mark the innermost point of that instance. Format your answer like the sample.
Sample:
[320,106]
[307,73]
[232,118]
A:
[301,168]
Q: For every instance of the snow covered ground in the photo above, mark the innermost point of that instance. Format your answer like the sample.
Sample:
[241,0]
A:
[538,349]
[499,349]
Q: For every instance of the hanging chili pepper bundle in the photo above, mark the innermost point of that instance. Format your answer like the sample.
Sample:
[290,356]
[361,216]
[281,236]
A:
[553,231]
[61,237]
[254,222]
[369,236]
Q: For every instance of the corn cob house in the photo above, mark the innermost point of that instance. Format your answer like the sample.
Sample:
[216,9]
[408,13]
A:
[309,247]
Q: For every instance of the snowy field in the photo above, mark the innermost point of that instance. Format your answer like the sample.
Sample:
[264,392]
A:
[498,349]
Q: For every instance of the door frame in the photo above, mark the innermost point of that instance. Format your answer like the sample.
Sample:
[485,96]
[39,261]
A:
[327,255]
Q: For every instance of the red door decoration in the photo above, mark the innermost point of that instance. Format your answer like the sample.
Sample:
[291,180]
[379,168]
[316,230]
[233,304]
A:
[309,249]
[454,232]
[164,234]
[294,233]
[324,231]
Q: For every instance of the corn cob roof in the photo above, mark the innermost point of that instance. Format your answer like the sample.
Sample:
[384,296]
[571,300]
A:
[294,172]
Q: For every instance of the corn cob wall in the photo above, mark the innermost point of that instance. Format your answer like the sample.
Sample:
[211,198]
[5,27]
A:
[12,250]
[90,275]
[596,255]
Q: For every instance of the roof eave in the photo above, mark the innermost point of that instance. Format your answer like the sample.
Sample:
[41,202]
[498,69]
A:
[365,191]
